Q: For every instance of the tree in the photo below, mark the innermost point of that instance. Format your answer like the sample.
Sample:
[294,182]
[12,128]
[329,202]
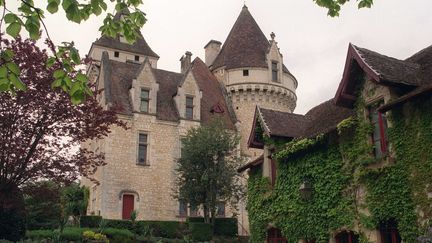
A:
[42,204]
[41,131]
[334,6]
[30,17]
[206,172]
[75,200]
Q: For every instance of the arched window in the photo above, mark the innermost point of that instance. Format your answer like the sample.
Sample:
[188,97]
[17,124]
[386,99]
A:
[347,237]
[275,236]
[389,232]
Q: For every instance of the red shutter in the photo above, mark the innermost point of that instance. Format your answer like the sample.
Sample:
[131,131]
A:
[128,206]
[382,133]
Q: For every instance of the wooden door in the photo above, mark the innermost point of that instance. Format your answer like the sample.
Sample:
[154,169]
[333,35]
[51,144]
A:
[128,206]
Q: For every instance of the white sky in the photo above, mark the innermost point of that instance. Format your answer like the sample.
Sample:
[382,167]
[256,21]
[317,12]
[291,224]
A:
[314,45]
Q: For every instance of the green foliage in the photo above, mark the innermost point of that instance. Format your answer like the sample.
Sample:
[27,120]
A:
[30,18]
[334,6]
[92,236]
[225,227]
[201,231]
[118,235]
[12,224]
[90,221]
[207,169]
[75,198]
[339,165]
[37,235]
[42,202]
[119,224]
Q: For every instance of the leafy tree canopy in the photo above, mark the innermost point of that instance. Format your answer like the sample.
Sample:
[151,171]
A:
[207,168]
[334,6]
[40,130]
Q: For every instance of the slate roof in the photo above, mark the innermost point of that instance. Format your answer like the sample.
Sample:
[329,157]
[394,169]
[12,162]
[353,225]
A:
[320,119]
[413,72]
[119,76]
[245,46]
[212,96]
[140,46]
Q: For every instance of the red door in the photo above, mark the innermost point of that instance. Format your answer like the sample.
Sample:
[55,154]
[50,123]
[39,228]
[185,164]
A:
[128,206]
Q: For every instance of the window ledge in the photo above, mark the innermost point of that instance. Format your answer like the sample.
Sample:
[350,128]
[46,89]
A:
[141,164]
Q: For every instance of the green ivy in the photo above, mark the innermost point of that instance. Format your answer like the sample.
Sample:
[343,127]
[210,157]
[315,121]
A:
[338,165]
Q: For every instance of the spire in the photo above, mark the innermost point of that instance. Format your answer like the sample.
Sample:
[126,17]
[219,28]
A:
[245,46]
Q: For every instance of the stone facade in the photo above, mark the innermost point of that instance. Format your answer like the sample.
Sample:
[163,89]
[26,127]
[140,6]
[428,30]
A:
[123,74]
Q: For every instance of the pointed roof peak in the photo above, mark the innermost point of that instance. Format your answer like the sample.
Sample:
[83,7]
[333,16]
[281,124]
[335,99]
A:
[121,12]
[245,46]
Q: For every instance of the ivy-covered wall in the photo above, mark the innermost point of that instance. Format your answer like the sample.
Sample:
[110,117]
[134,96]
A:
[352,189]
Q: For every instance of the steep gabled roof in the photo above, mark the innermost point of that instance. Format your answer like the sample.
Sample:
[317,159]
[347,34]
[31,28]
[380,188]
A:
[140,46]
[282,124]
[413,72]
[212,95]
[319,120]
[245,46]
[118,82]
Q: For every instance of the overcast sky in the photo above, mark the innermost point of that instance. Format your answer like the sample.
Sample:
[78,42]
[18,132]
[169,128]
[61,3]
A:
[314,45]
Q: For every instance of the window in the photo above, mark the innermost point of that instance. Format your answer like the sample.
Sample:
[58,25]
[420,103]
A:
[245,72]
[379,136]
[220,209]
[275,236]
[116,54]
[145,100]
[182,208]
[389,232]
[137,58]
[189,107]
[347,237]
[142,149]
[193,211]
[274,71]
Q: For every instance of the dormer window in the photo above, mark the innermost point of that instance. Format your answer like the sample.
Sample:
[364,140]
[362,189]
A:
[274,68]
[189,107]
[245,72]
[137,58]
[145,100]
[116,54]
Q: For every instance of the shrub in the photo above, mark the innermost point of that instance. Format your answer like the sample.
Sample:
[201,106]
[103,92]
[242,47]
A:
[118,235]
[12,224]
[226,227]
[201,231]
[37,235]
[90,221]
[90,235]
[119,224]
[195,220]
[73,234]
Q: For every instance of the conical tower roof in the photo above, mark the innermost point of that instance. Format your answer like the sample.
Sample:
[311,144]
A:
[245,46]
[140,46]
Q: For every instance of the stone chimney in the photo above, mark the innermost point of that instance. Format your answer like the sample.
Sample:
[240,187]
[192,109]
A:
[185,61]
[211,51]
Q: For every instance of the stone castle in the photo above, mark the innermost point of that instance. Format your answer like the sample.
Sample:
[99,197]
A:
[159,106]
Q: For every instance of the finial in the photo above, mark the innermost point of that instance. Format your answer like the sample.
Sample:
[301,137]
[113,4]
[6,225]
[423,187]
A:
[244,4]
[272,35]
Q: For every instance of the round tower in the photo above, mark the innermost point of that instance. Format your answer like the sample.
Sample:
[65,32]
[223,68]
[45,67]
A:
[252,70]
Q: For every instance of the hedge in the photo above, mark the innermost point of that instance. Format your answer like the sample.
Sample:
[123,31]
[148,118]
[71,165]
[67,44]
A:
[201,231]
[226,227]
[90,221]
[118,235]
